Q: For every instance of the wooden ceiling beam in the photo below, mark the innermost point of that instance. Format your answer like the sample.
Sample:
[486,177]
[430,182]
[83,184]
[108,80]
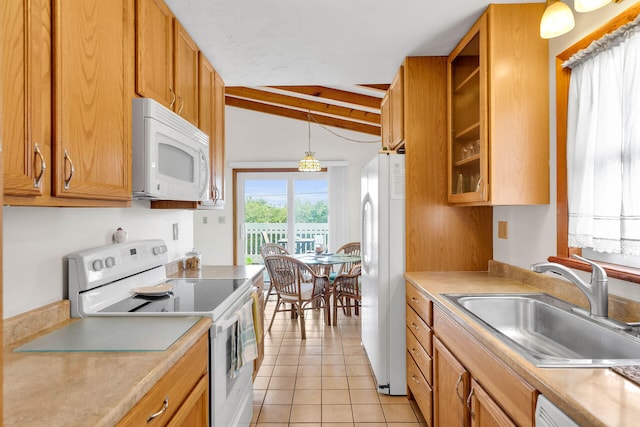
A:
[334,94]
[233,101]
[381,88]
[304,104]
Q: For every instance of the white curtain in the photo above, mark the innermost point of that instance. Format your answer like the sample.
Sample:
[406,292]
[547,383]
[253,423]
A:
[603,144]
[338,223]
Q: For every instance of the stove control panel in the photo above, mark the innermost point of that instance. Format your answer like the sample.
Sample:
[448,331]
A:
[98,266]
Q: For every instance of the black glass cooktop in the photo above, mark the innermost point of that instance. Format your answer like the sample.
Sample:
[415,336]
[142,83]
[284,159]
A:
[187,296]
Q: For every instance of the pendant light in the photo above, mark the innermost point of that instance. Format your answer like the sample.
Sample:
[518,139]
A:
[308,162]
[556,20]
[589,5]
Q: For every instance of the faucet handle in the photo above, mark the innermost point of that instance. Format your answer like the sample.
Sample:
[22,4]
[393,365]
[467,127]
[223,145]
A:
[597,272]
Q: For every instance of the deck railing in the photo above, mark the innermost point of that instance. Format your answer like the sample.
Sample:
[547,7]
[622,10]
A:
[277,232]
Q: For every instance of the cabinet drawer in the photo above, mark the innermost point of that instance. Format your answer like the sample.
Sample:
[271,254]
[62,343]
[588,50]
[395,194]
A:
[420,304]
[420,356]
[423,333]
[173,388]
[422,391]
[516,396]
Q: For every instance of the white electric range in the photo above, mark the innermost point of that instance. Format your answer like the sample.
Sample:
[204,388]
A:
[102,282]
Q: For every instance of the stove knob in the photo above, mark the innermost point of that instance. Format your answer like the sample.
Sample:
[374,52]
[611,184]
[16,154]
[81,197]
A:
[110,262]
[97,265]
[159,250]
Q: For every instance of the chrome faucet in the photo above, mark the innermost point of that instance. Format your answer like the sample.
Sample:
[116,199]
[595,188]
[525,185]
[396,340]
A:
[597,291]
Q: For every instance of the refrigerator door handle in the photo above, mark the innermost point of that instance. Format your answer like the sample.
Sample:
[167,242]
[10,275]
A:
[366,226]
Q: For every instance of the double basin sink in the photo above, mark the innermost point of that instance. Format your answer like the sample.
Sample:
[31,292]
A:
[548,331]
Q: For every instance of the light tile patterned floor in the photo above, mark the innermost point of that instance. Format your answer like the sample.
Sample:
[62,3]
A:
[323,381]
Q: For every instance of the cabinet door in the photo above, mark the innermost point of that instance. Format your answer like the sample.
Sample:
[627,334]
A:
[396,95]
[185,74]
[93,87]
[154,51]
[194,411]
[218,140]
[468,132]
[451,388]
[26,101]
[485,412]
[385,121]
[206,77]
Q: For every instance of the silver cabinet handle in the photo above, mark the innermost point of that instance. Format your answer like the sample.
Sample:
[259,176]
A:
[173,97]
[460,397]
[181,104]
[43,167]
[165,406]
[413,299]
[415,379]
[414,326]
[215,194]
[72,170]
[469,402]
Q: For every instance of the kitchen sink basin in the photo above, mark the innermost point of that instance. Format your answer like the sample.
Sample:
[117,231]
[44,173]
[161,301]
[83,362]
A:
[548,332]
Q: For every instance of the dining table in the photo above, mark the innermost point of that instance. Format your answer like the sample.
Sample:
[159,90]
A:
[322,264]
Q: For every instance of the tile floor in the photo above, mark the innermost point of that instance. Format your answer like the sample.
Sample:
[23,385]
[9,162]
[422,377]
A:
[325,380]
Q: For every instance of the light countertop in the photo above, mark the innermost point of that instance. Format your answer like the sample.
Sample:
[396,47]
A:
[83,388]
[592,397]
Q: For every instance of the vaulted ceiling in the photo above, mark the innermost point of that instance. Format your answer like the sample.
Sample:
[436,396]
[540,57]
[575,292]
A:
[355,108]
[269,52]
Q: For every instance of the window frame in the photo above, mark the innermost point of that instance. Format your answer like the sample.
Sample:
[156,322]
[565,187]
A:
[563,76]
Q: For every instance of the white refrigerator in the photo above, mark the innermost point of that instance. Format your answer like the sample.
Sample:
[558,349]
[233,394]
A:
[383,265]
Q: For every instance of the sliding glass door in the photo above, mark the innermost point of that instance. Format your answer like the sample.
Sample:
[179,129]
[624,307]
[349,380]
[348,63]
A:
[288,208]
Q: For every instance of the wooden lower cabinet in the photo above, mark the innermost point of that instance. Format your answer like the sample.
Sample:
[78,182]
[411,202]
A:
[485,412]
[471,385]
[454,379]
[451,388]
[181,397]
[258,283]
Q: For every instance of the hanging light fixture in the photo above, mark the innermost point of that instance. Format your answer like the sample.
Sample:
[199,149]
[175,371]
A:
[589,5]
[556,20]
[308,162]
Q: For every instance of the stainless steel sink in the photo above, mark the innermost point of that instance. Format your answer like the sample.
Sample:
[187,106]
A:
[547,332]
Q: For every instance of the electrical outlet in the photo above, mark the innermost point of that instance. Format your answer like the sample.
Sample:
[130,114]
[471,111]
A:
[222,220]
[205,219]
[175,231]
[503,230]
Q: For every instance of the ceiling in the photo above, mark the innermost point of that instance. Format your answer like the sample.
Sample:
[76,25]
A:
[330,50]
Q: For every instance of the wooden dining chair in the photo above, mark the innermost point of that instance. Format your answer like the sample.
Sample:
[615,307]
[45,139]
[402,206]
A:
[352,248]
[346,292]
[297,284]
[266,250]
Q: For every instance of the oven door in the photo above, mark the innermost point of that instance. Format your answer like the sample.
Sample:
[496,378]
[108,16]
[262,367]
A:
[231,393]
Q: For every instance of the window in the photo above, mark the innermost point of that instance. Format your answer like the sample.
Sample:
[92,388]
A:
[288,208]
[610,225]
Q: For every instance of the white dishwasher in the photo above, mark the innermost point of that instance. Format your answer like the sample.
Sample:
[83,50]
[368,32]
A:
[549,415]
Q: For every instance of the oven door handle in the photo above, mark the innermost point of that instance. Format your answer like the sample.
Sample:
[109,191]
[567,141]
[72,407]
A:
[220,327]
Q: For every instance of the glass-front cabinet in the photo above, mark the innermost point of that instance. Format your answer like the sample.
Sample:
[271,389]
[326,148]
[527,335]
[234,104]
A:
[468,133]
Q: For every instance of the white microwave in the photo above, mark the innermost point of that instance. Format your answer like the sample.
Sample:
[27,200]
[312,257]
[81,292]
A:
[170,155]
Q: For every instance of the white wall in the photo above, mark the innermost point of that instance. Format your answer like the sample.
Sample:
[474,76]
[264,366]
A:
[37,240]
[251,137]
[532,229]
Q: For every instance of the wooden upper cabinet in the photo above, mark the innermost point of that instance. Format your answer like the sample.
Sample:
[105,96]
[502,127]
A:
[93,45]
[26,96]
[392,113]
[185,74]
[396,96]
[154,51]
[385,121]
[498,103]
[218,140]
[166,60]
